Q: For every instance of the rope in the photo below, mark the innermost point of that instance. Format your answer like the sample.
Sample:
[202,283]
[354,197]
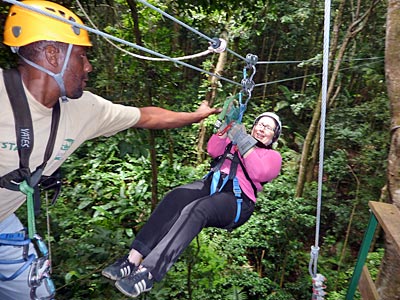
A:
[48,229]
[318,287]
[100,33]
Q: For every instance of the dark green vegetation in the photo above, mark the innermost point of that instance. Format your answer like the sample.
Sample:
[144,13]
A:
[111,184]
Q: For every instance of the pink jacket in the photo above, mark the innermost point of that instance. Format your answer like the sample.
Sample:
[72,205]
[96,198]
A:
[261,164]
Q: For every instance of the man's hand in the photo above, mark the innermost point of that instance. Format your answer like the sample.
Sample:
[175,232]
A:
[205,110]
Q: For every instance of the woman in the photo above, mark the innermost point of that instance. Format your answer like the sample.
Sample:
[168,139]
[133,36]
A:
[210,202]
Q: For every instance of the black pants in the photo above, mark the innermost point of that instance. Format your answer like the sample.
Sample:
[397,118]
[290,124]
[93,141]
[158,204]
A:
[180,217]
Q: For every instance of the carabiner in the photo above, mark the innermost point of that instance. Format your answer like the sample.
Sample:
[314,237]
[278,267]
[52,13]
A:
[39,274]
[49,287]
[248,83]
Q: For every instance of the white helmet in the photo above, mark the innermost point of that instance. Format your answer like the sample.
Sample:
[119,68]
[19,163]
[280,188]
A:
[278,128]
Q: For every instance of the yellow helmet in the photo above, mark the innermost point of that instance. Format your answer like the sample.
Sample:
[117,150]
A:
[24,26]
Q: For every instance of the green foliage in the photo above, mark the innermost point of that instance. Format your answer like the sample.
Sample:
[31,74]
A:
[107,192]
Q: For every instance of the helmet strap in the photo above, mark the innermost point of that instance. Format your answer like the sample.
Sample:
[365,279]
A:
[57,77]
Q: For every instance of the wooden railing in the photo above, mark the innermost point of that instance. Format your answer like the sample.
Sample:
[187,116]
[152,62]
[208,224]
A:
[388,217]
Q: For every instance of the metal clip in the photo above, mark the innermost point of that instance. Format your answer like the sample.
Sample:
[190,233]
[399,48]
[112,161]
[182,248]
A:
[40,272]
[251,59]
[248,83]
[318,287]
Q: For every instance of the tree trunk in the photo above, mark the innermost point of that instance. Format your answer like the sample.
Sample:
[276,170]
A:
[308,161]
[388,282]
[148,101]
[210,97]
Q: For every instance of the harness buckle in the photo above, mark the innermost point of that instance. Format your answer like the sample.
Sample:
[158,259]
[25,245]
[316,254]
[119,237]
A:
[236,188]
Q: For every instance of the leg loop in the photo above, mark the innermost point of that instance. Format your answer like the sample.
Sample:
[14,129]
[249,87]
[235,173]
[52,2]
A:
[16,239]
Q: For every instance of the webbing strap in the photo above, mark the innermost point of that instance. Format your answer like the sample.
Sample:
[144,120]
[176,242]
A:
[214,181]
[15,236]
[217,163]
[29,191]
[21,111]
[239,200]
[27,263]
[14,239]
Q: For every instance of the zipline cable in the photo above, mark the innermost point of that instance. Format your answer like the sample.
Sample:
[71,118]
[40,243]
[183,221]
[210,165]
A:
[118,40]
[311,75]
[313,60]
[186,26]
[211,49]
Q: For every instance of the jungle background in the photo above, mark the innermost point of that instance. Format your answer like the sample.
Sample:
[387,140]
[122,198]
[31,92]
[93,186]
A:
[111,185]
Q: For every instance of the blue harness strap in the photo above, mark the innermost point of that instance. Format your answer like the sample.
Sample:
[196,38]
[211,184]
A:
[239,200]
[214,181]
[17,239]
[14,239]
[27,263]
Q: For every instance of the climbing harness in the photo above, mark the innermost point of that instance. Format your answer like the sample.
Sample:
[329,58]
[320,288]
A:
[232,112]
[22,179]
[17,239]
[25,142]
[217,176]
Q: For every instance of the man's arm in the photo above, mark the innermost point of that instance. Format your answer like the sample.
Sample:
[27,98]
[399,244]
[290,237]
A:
[158,118]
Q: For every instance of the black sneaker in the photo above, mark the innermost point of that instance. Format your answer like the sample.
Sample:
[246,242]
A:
[120,269]
[136,283]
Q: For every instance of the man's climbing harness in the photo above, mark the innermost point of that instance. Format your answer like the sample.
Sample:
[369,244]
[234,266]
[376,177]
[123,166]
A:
[17,239]
[27,182]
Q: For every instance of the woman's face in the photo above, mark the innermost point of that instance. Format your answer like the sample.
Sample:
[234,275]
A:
[264,130]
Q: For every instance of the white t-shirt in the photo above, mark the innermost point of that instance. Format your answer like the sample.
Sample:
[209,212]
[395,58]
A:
[80,120]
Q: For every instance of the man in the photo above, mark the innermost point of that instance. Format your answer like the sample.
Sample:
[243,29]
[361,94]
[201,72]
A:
[54,69]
